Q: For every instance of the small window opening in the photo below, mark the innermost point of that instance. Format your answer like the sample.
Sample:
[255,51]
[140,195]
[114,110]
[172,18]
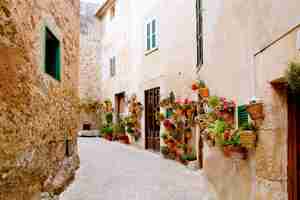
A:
[52,55]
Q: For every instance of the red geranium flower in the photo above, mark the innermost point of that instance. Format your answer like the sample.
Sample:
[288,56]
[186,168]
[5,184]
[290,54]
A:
[195,87]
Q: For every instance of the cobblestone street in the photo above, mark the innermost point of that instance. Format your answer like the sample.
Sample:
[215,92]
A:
[112,171]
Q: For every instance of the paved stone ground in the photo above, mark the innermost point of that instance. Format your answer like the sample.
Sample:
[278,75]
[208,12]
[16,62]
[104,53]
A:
[113,171]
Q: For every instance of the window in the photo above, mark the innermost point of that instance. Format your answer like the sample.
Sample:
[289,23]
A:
[199,33]
[151,31]
[52,55]
[112,62]
[112,12]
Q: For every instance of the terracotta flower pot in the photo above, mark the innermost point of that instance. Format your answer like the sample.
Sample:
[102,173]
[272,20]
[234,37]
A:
[179,112]
[204,92]
[226,151]
[189,112]
[179,152]
[108,137]
[235,152]
[188,135]
[248,139]
[256,111]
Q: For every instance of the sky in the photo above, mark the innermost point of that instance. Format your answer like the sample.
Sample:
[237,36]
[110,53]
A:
[94,1]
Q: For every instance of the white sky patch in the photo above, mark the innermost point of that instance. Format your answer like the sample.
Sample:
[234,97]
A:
[93,1]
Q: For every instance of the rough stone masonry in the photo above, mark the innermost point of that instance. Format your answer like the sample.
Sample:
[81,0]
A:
[38,114]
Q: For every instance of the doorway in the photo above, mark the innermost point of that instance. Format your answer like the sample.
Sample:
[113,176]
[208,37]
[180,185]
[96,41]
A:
[120,104]
[293,148]
[152,125]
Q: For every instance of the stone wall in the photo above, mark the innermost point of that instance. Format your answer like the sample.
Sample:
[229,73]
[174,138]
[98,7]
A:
[90,67]
[37,113]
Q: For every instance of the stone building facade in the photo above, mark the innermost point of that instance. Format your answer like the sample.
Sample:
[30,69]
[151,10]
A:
[246,50]
[90,65]
[39,59]
[170,66]
[247,46]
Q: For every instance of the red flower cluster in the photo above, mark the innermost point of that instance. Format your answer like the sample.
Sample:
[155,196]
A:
[227,105]
[195,86]
[184,101]
[168,124]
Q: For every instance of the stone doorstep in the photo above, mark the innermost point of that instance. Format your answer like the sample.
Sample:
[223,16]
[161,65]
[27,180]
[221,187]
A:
[91,133]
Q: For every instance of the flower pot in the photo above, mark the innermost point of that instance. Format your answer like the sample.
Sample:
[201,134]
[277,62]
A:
[204,92]
[248,139]
[235,152]
[188,135]
[179,112]
[238,153]
[189,112]
[256,111]
[226,151]
[179,152]
[108,137]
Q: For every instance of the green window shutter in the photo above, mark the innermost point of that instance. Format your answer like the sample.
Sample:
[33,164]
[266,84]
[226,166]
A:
[242,115]
[148,36]
[58,64]
[154,33]
[52,55]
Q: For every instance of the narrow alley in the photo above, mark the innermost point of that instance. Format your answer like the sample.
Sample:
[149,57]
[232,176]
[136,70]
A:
[133,175]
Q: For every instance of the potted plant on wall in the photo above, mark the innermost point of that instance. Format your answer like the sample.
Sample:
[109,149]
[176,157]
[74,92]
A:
[293,77]
[107,132]
[255,109]
[248,137]
[200,86]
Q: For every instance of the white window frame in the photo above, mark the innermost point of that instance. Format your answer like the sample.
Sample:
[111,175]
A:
[152,49]
[112,66]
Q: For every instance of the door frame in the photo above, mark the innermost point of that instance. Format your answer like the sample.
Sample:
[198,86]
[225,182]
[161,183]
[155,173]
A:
[154,143]
[293,141]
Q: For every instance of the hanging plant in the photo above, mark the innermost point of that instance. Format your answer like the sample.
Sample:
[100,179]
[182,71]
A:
[293,77]
[133,120]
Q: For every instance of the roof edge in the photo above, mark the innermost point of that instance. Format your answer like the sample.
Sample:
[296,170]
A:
[102,10]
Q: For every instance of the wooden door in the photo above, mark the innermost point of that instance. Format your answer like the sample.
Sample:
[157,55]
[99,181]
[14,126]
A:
[293,148]
[119,104]
[152,127]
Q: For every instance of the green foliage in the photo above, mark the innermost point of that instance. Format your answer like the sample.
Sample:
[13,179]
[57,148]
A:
[109,117]
[106,130]
[130,130]
[165,150]
[119,128]
[235,140]
[293,77]
[192,156]
[201,84]
[218,127]
[172,97]
[164,136]
[213,101]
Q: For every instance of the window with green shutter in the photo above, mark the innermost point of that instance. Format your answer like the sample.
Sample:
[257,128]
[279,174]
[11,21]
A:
[112,62]
[153,33]
[243,116]
[148,36]
[152,36]
[52,55]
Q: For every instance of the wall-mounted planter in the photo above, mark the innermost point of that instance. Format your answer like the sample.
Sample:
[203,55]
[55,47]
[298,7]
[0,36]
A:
[248,139]
[235,152]
[204,92]
[256,111]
